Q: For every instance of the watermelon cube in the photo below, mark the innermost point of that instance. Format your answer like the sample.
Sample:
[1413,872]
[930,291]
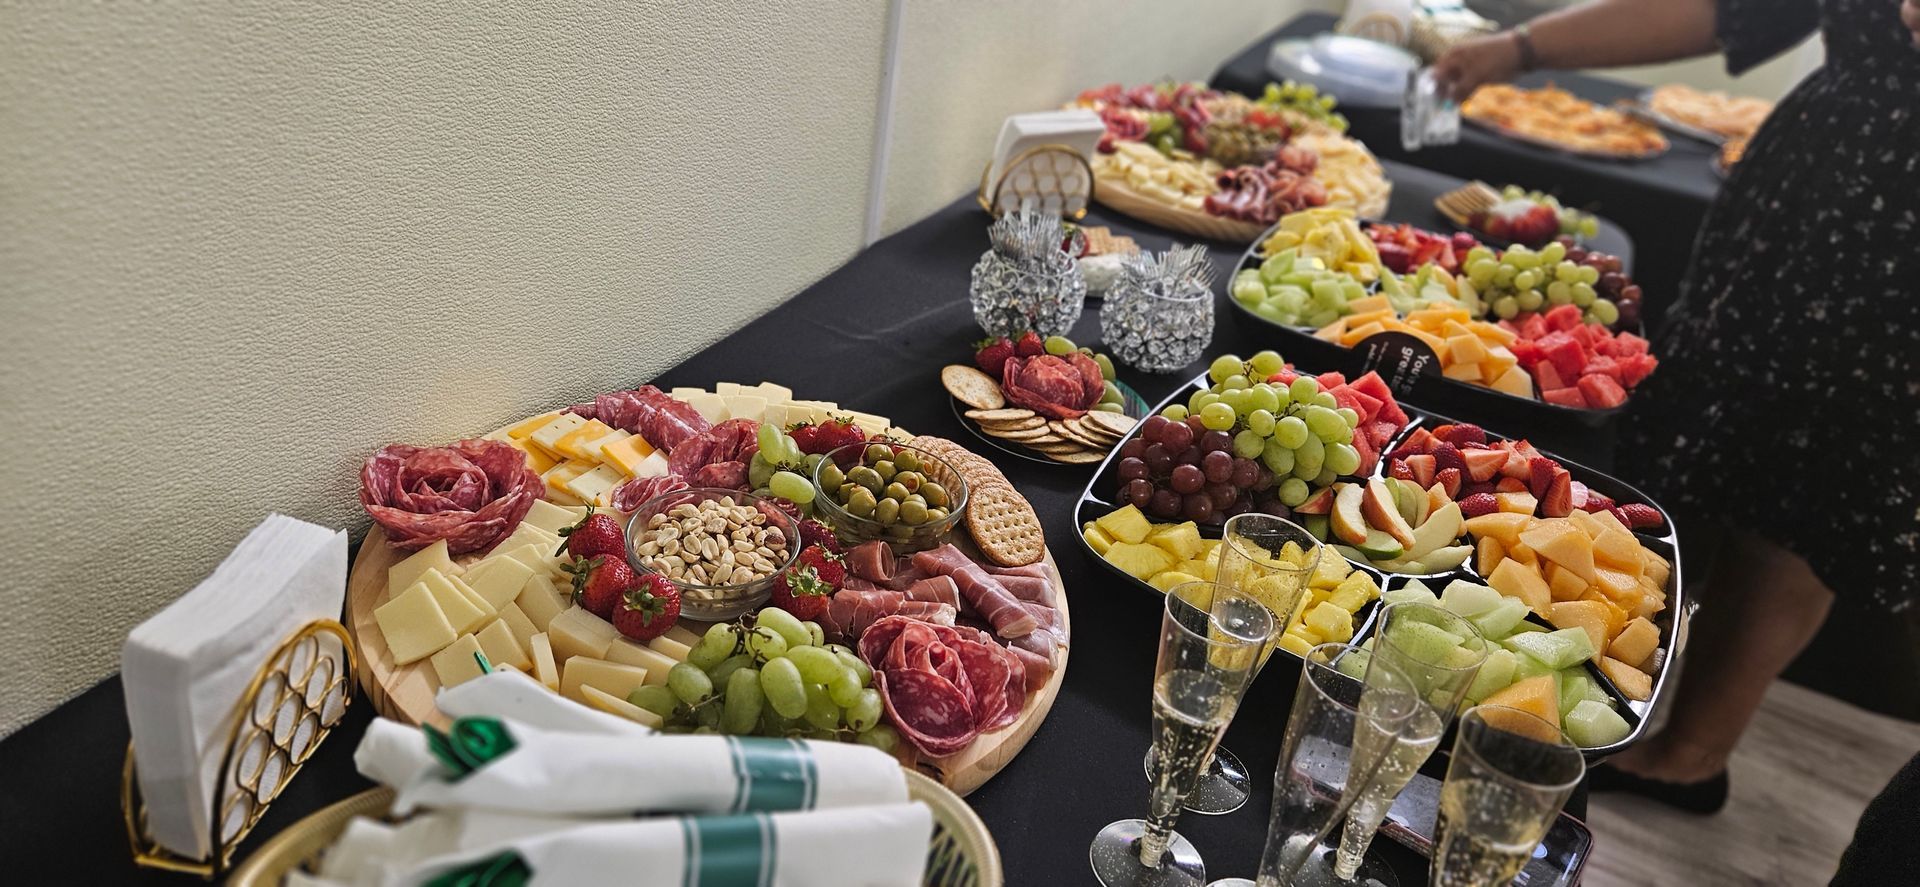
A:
[1602,391]
[1533,327]
[1602,365]
[1563,317]
[1636,368]
[1375,387]
[1527,352]
[1332,379]
[1546,377]
[1567,356]
[1566,397]
[1628,344]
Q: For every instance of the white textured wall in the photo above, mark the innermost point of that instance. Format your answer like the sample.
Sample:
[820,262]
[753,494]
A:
[965,66]
[243,244]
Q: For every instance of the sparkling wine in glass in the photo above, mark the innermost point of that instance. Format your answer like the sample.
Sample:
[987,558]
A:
[1510,774]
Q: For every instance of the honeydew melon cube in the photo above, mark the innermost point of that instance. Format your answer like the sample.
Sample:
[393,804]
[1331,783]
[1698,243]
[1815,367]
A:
[1423,642]
[1592,725]
[1464,656]
[1528,626]
[1354,665]
[1471,599]
[1576,686]
[1501,621]
[1495,675]
[1558,649]
[1415,592]
[1525,665]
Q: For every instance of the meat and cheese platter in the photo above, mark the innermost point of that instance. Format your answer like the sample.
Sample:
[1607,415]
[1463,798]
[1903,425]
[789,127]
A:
[1044,400]
[1222,166]
[733,561]
[1548,334]
[1571,574]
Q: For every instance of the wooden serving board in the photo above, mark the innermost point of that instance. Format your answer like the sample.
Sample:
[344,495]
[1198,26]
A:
[1114,193]
[405,693]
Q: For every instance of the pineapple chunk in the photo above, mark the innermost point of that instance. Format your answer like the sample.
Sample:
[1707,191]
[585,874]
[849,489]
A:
[1205,569]
[1165,581]
[1138,560]
[1329,572]
[1330,622]
[1126,525]
[1180,540]
[1097,539]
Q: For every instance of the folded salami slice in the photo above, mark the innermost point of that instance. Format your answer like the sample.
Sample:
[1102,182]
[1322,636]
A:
[928,710]
[663,420]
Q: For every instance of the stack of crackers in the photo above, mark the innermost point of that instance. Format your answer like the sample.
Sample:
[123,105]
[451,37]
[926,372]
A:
[1082,440]
[1002,522]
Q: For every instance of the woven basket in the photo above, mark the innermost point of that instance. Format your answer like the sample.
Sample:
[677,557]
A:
[962,853]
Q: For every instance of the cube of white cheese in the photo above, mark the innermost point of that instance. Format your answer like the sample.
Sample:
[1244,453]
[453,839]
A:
[655,465]
[600,674]
[775,393]
[456,664]
[627,652]
[528,534]
[498,580]
[681,392]
[595,486]
[407,572]
[497,641]
[577,632]
[549,434]
[745,406]
[413,625]
[613,705]
[549,517]
[726,389]
[544,669]
[871,423]
[709,406]
[670,647]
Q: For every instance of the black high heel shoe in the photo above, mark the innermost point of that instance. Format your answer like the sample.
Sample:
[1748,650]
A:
[1705,797]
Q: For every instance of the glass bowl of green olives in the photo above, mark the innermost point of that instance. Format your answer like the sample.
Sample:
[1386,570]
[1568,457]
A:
[904,495]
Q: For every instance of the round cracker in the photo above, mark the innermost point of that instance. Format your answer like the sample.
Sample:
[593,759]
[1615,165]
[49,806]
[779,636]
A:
[1021,434]
[972,387]
[1007,414]
[1115,423]
[1067,430]
[1084,457]
[1015,424]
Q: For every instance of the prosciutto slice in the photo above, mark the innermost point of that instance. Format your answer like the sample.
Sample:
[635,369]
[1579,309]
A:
[872,561]
[664,421]
[635,492]
[1039,668]
[1027,588]
[939,589]
[991,599]
[850,611]
[928,611]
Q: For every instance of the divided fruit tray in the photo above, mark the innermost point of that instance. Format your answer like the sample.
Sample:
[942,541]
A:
[1095,501]
[1477,401]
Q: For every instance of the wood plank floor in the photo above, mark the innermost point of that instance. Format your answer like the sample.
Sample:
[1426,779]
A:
[1801,776]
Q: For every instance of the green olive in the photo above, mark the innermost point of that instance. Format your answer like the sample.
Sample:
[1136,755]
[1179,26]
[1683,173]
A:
[831,477]
[844,492]
[861,503]
[868,478]
[935,515]
[935,494]
[912,512]
[895,491]
[885,469]
[907,460]
[877,452]
[900,532]
[887,512]
[910,479]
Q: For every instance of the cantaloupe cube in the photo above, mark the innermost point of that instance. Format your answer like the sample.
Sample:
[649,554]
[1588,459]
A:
[1495,333]
[1097,539]
[1616,584]
[1462,372]
[1563,584]
[1488,553]
[1647,606]
[1564,544]
[1466,349]
[1181,540]
[1516,382]
[1139,560]
[1125,524]
[1520,552]
[1500,362]
[1633,683]
[1516,503]
[1655,567]
[1453,329]
[1538,696]
[1438,315]
[1355,333]
[1502,525]
[1517,580]
[1635,643]
[1612,522]
[1589,616]
[1616,617]
[1619,551]
[1587,523]
[1360,319]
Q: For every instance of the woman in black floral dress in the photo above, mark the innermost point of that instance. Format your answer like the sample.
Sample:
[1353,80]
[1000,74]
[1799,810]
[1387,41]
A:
[1787,401]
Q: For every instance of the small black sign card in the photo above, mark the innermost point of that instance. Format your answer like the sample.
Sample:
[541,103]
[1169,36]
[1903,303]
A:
[1400,359]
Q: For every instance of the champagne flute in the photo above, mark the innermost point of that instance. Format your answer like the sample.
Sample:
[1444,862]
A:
[1210,641]
[1440,652]
[1511,773]
[1269,559]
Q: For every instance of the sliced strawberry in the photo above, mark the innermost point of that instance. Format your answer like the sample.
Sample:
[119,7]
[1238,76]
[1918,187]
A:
[1398,469]
[1597,501]
[1476,487]
[1558,502]
[1510,485]
[1450,480]
[1637,515]
[1478,504]
[1483,465]
[1420,442]
[1447,456]
[1462,434]
[1516,465]
[1540,475]
[1423,468]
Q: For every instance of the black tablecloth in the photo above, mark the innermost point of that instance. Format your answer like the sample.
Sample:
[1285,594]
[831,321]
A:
[871,336]
[1661,200]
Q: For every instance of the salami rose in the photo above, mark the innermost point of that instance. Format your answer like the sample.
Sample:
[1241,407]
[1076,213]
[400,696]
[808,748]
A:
[1048,385]
[471,494]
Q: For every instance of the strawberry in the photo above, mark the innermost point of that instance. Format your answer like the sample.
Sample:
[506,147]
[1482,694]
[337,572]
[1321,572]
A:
[806,436]
[1447,456]
[1558,502]
[596,535]
[1423,469]
[825,437]
[1400,470]
[1484,464]
[1476,487]
[647,609]
[1461,434]
[804,588]
[598,584]
[1540,476]
[1479,504]
[813,532]
[990,355]
[1636,515]
[1510,485]
[1449,480]
[1598,501]
[1029,345]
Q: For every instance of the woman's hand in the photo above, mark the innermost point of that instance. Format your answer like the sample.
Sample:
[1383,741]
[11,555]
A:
[1910,16]
[1491,59]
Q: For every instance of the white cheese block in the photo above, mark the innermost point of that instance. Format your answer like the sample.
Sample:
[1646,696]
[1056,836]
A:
[613,705]
[413,625]
[594,486]
[626,652]
[540,601]
[498,580]
[745,406]
[655,465]
[577,632]
[549,434]
[592,447]
[539,556]
[544,669]
[552,518]
[497,641]
[600,674]
[462,612]
[871,423]
[709,406]
[517,622]
[726,389]
[528,534]
[680,632]
[775,393]
[682,392]
[407,572]
[456,664]
[670,647]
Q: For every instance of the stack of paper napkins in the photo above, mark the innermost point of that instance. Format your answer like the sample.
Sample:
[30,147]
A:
[185,668]
[499,801]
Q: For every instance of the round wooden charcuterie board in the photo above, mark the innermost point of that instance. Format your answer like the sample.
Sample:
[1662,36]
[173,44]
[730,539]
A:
[406,692]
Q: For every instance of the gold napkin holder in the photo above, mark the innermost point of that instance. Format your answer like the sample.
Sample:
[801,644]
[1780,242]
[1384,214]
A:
[1059,162]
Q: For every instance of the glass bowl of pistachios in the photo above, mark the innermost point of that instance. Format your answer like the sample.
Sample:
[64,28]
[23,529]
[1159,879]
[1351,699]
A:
[721,547]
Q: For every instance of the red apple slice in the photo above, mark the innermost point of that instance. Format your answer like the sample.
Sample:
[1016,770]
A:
[1349,521]
[1378,507]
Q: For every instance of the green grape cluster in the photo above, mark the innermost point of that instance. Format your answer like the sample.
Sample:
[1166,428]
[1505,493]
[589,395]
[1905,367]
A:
[779,469]
[1306,99]
[771,675]
[1522,279]
[1295,291]
[1573,222]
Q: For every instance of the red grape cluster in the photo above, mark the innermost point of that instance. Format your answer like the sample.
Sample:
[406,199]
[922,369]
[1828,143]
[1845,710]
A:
[1179,469]
[1614,285]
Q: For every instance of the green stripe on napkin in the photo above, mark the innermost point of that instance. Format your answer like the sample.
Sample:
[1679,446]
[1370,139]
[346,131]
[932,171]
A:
[773,774]
[469,745]
[504,870]
[729,851]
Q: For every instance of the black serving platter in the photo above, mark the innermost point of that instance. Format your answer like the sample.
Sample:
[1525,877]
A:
[1094,502]
[1477,401]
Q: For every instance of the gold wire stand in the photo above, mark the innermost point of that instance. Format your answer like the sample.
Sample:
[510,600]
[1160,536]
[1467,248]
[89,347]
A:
[265,739]
[1060,164]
